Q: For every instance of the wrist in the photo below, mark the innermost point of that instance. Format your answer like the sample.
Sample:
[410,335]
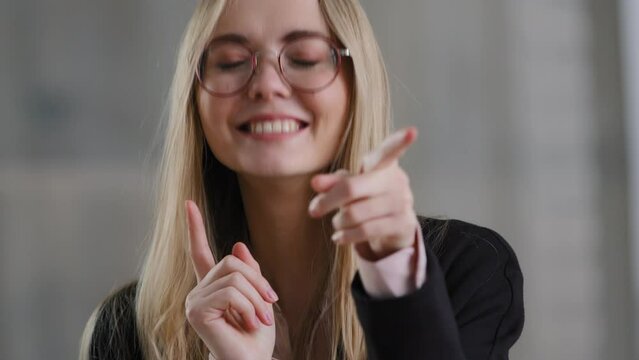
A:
[373,251]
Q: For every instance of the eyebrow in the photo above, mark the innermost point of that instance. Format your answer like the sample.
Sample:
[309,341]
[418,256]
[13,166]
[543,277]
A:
[238,38]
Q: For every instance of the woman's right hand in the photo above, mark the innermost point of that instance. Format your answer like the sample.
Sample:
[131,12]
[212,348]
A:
[230,308]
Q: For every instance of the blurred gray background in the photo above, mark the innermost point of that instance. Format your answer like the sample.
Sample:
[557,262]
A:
[520,106]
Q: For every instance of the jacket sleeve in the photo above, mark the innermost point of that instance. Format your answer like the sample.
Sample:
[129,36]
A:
[470,307]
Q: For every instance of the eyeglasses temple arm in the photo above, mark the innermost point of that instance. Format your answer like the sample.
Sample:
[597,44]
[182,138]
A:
[344,52]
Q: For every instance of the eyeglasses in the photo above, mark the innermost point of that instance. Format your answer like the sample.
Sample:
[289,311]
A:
[307,64]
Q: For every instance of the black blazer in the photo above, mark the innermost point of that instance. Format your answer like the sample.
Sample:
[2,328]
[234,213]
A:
[470,307]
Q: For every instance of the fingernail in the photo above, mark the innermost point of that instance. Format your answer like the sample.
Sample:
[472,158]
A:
[272,295]
[313,205]
[337,236]
[269,320]
[337,219]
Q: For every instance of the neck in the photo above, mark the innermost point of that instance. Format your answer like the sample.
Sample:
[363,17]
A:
[288,244]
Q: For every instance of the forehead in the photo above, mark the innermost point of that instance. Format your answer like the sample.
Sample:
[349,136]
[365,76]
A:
[268,21]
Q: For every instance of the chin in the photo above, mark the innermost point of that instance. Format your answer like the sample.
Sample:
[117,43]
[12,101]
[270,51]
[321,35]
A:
[278,170]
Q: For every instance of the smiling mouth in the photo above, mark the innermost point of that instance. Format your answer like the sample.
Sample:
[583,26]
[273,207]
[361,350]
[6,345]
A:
[275,127]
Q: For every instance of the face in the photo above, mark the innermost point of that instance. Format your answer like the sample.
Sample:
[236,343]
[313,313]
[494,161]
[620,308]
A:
[264,24]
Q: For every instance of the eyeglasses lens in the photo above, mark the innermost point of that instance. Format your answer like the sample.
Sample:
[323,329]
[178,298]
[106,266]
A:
[307,64]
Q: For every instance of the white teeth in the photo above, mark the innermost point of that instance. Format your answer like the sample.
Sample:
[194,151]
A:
[277,126]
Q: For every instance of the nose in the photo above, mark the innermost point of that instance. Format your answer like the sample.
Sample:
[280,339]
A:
[267,81]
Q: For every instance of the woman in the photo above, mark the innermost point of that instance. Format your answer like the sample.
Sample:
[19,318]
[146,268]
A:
[262,248]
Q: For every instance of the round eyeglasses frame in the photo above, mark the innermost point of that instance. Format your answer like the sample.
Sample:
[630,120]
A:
[339,51]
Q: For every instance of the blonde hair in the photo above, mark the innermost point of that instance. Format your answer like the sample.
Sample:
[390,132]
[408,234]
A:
[189,171]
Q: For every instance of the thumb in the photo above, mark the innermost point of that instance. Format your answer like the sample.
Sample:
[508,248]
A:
[323,182]
[241,251]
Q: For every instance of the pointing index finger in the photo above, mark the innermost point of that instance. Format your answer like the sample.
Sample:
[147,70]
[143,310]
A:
[390,150]
[201,254]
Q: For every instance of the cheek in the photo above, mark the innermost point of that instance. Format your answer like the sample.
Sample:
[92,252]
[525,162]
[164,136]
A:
[330,108]
[331,103]
[336,104]
[208,109]
[213,114]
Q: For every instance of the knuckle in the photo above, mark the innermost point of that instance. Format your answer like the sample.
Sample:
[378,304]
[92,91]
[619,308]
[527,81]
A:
[403,177]
[229,293]
[406,178]
[407,221]
[235,278]
[412,221]
[229,262]
[367,230]
[408,199]
[223,263]
[354,214]
[350,188]
[188,305]
[191,297]
[191,311]
[350,215]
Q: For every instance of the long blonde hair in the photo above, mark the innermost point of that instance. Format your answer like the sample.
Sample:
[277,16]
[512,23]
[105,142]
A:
[188,170]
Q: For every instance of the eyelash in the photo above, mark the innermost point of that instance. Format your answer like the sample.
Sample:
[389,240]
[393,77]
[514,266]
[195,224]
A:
[229,66]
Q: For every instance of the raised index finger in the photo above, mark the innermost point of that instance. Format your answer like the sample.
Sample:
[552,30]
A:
[390,150]
[201,254]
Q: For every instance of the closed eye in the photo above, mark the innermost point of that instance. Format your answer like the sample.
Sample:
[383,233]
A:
[303,63]
[230,65]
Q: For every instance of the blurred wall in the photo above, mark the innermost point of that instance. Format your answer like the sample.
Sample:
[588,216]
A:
[520,123]
[83,88]
[519,107]
[629,39]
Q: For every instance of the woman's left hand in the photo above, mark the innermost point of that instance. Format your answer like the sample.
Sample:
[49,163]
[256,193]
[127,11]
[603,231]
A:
[375,206]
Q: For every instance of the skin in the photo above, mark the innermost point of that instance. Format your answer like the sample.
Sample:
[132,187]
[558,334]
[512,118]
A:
[231,306]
